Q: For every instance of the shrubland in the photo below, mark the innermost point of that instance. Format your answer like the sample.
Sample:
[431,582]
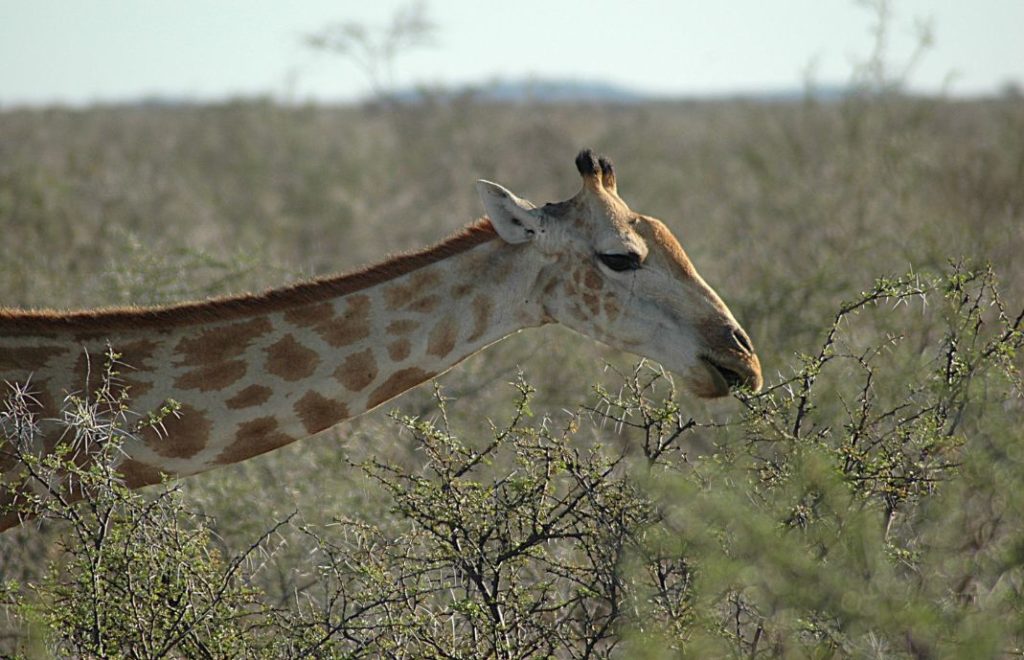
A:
[551,497]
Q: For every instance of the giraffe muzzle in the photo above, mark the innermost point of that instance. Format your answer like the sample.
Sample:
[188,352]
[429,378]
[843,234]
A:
[734,372]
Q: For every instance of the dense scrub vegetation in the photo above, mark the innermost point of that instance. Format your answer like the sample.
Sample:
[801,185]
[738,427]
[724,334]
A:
[868,503]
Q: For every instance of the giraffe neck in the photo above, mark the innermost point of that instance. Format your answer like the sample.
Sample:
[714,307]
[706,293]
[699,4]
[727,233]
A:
[257,381]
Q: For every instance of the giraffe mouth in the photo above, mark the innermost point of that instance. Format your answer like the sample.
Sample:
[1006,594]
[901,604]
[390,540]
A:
[725,377]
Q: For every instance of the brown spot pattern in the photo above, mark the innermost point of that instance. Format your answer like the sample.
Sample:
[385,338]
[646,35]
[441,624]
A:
[399,350]
[135,357]
[357,371]
[309,316]
[137,353]
[137,387]
[43,405]
[425,304]
[402,327]
[89,337]
[28,358]
[87,372]
[138,474]
[290,360]
[402,294]
[52,434]
[317,412]
[248,397]
[461,290]
[397,383]
[592,280]
[186,434]
[611,309]
[212,377]
[592,303]
[39,390]
[349,327]
[221,343]
[500,271]
[482,308]
[255,437]
[442,338]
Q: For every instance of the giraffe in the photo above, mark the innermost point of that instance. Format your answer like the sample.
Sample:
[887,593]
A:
[252,373]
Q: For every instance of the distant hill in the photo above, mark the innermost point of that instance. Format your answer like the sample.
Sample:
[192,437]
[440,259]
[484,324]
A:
[580,91]
[528,91]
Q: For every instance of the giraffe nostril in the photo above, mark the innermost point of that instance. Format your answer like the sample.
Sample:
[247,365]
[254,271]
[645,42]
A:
[742,340]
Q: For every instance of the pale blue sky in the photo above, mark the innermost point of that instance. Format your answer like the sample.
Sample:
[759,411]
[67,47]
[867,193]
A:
[72,51]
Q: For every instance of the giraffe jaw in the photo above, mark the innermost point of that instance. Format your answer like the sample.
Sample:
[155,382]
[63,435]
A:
[719,380]
[724,377]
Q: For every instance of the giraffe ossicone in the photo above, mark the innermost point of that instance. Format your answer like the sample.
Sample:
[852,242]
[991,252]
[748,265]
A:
[256,372]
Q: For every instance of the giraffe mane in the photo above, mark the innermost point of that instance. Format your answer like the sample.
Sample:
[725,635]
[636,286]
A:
[20,321]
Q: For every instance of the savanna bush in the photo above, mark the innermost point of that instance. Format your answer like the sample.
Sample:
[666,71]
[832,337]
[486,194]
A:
[868,503]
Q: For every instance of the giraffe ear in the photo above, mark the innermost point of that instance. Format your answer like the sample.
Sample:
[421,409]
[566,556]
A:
[514,219]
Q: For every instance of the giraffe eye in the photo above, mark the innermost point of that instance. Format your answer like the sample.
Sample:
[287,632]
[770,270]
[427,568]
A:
[621,262]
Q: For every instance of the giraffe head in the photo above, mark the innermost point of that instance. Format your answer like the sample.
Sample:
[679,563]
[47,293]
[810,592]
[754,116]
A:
[622,278]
